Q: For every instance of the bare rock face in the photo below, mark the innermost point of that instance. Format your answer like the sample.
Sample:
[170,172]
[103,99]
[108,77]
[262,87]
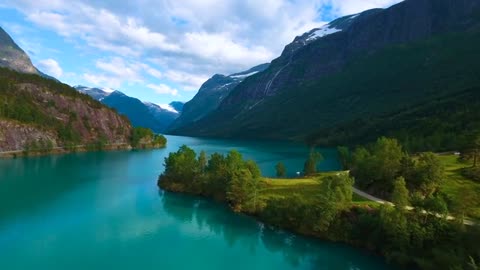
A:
[13,57]
[88,119]
[14,136]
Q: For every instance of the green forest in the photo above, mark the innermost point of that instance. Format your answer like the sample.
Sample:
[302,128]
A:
[417,230]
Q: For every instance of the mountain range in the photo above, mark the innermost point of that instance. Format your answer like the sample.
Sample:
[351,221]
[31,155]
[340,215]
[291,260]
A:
[350,80]
[410,71]
[211,94]
[141,114]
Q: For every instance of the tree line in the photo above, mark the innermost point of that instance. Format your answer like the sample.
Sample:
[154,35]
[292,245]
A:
[413,237]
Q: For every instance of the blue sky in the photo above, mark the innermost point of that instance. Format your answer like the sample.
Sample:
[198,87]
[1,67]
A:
[161,50]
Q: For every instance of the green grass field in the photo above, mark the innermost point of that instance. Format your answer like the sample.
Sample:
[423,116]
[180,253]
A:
[455,183]
[275,188]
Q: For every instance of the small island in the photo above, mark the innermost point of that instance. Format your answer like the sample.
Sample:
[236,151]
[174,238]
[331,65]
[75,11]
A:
[421,225]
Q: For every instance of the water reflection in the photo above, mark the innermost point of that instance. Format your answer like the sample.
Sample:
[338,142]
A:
[237,229]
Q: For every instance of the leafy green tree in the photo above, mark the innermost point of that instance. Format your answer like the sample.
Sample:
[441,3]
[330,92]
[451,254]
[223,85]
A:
[436,204]
[234,161]
[202,161]
[344,156]
[430,173]
[473,149]
[400,197]
[362,164]
[238,189]
[253,168]
[139,133]
[336,196]
[408,170]
[242,191]
[281,170]
[181,166]
[159,140]
[310,166]
[379,165]
[217,173]
[387,155]
[462,205]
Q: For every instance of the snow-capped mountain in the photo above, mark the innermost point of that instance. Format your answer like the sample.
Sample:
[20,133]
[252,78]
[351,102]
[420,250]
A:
[332,82]
[211,94]
[141,114]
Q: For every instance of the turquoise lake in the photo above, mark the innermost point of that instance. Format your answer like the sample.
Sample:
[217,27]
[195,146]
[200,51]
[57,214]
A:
[104,211]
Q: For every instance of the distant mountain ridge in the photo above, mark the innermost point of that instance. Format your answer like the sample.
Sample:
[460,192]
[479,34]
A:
[210,95]
[366,66]
[13,57]
[141,114]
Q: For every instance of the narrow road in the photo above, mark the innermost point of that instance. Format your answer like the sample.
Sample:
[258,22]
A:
[378,200]
[368,196]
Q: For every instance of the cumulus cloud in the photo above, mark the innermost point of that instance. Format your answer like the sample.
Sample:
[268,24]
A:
[190,82]
[163,89]
[182,42]
[101,80]
[346,7]
[51,67]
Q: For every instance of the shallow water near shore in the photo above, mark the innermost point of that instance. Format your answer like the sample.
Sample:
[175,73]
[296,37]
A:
[104,211]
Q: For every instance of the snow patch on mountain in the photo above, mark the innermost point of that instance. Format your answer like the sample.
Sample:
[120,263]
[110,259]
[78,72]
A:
[243,76]
[168,107]
[323,31]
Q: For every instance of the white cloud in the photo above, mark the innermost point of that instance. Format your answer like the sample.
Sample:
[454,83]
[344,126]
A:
[101,80]
[190,82]
[347,7]
[154,72]
[184,42]
[163,89]
[119,67]
[51,67]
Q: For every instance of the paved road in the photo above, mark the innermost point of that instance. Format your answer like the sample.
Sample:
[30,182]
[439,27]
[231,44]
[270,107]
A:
[378,200]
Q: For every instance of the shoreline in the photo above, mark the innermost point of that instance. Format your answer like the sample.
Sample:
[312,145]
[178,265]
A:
[77,149]
[308,234]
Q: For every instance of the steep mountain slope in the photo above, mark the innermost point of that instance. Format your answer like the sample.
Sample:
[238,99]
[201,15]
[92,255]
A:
[39,113]
[141,114]
[355,69]
[210,95]
[13,57]
[95,93]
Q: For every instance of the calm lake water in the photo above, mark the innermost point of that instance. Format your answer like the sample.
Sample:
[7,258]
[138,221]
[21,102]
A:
[104,211]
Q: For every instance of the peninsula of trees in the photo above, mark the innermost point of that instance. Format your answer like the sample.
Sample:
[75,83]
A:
[416,230]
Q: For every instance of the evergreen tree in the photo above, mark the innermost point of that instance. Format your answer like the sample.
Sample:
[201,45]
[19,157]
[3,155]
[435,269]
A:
[344,156]
[281,170]
[400,197]
[310,166]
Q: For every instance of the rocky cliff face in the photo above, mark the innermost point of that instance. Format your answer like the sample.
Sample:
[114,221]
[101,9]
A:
[325,76]
[14,136]
[210,96]
[13,57]
[41,111]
